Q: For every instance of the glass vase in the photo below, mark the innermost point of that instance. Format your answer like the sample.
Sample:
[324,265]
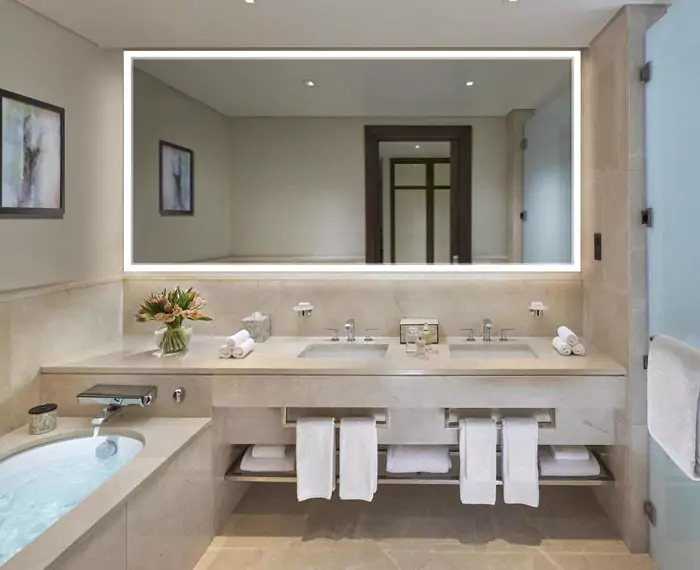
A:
[172,340]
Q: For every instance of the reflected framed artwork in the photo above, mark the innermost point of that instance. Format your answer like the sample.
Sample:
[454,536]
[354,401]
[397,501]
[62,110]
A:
[32,158]
[176,180]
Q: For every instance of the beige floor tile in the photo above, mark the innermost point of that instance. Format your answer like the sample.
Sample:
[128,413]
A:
[461,561]
[602,561]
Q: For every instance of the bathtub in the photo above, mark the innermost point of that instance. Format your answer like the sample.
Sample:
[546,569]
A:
[41,484]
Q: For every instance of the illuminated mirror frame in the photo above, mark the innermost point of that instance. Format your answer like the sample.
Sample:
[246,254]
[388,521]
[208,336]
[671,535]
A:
[356,269]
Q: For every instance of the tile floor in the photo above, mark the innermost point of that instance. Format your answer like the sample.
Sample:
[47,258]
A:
[418,528]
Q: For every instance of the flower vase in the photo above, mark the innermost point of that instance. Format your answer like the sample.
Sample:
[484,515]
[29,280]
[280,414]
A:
[172,340]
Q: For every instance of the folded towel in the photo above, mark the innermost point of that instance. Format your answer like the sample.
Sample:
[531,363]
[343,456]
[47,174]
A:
[418,459]
[358,459]
[550,466]
[477,461]
[225,351]
[315,458]
[673,393]
[570,452]
[252,464]
[237,339]
[520,472]
[269,451]
[578,349]
[561,347]
[243,349]
[567,335]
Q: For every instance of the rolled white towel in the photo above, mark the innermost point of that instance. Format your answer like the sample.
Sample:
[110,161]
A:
[567,335]
[579,350]
[237,339]
[244,349]
[225,351]
[561,347]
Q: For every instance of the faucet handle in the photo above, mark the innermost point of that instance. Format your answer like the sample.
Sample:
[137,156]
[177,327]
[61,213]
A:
[504,334]
[334,336]
[368,334]
[470,336]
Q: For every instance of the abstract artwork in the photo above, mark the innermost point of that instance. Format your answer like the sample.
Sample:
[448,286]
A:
[176,180]
[32,157]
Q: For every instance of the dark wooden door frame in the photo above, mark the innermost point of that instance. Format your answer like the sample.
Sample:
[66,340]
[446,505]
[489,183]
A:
[460,139]
[429,188]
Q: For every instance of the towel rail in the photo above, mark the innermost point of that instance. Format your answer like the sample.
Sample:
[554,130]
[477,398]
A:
[290,415]
[546,418]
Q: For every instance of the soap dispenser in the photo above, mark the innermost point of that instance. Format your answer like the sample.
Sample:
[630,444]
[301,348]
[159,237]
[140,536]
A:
[426,336]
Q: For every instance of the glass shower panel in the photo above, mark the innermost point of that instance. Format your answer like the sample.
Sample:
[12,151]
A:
[673,124]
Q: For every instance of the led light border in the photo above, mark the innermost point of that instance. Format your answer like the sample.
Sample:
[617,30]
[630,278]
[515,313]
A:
[427,270]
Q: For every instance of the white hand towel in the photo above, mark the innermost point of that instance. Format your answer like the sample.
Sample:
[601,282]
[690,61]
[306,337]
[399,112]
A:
[519,456]
[579,350]
[269,451]
[478,439]
[550,466]
[561,347]
[315,458]
[237,339]
[570,452]
[243,349]
[358,459]
[225,351]
[673,393]
[418,459]
[567,335]
[252,464]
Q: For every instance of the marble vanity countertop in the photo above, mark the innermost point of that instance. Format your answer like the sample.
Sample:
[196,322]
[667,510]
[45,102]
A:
[279,356]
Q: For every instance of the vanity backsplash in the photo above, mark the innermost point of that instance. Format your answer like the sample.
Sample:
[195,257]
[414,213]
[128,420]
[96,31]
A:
[375,303]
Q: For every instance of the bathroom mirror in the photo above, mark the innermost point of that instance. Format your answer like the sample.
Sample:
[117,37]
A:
[454,161]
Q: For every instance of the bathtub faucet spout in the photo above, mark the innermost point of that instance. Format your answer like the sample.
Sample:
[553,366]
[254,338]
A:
[106,414]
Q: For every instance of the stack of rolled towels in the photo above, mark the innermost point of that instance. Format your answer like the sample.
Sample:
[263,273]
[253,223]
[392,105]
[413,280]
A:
[567,343]
[238,345]
[568,461]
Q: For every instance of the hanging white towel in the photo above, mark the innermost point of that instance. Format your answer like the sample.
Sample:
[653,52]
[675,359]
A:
[284,464]
[519,457]
[673,397]
[550,466]
[418,459]
[567,335]
[243,349]
[578,349]
[269,451]
[570,452]
[478,439]
[315,458]
[237,339]
[358,459]
[561,347]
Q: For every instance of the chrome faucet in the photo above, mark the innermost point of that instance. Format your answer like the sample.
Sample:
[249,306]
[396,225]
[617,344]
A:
[488,327]
[106,414]
[350,327]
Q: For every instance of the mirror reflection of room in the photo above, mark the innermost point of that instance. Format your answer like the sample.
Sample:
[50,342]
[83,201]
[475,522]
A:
[365,161]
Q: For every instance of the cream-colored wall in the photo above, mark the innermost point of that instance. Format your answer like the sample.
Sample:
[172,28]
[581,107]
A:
[43,61]
[161,113]
[299,184]
[615,291]
[40,60]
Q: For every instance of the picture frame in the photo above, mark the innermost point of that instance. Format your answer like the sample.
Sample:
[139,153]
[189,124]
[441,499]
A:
[175,179]
[32,157]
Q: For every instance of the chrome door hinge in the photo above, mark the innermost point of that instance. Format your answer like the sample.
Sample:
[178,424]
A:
[648,217]
[650,512]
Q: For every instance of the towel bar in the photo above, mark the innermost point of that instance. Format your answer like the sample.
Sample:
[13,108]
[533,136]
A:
[546,418]
[381,415]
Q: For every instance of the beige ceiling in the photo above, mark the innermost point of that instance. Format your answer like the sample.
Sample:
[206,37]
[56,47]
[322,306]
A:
[333,23]
[364,88]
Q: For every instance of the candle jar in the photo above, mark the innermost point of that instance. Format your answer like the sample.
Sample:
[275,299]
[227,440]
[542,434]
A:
[43,419]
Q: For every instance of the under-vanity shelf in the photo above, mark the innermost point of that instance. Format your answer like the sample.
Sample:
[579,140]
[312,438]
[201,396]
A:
[451,478]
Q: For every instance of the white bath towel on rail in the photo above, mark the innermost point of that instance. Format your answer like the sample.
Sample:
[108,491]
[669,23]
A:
[521,483]
[315,458]
[358,459]
[673,395]
[478,439]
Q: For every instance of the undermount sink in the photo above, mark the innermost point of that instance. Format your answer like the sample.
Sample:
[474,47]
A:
[353,351]
[494,350]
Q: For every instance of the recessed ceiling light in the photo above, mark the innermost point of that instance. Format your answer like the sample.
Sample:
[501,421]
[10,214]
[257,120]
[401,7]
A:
[309,83]
[417,146]
[250,1]
[469,84]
